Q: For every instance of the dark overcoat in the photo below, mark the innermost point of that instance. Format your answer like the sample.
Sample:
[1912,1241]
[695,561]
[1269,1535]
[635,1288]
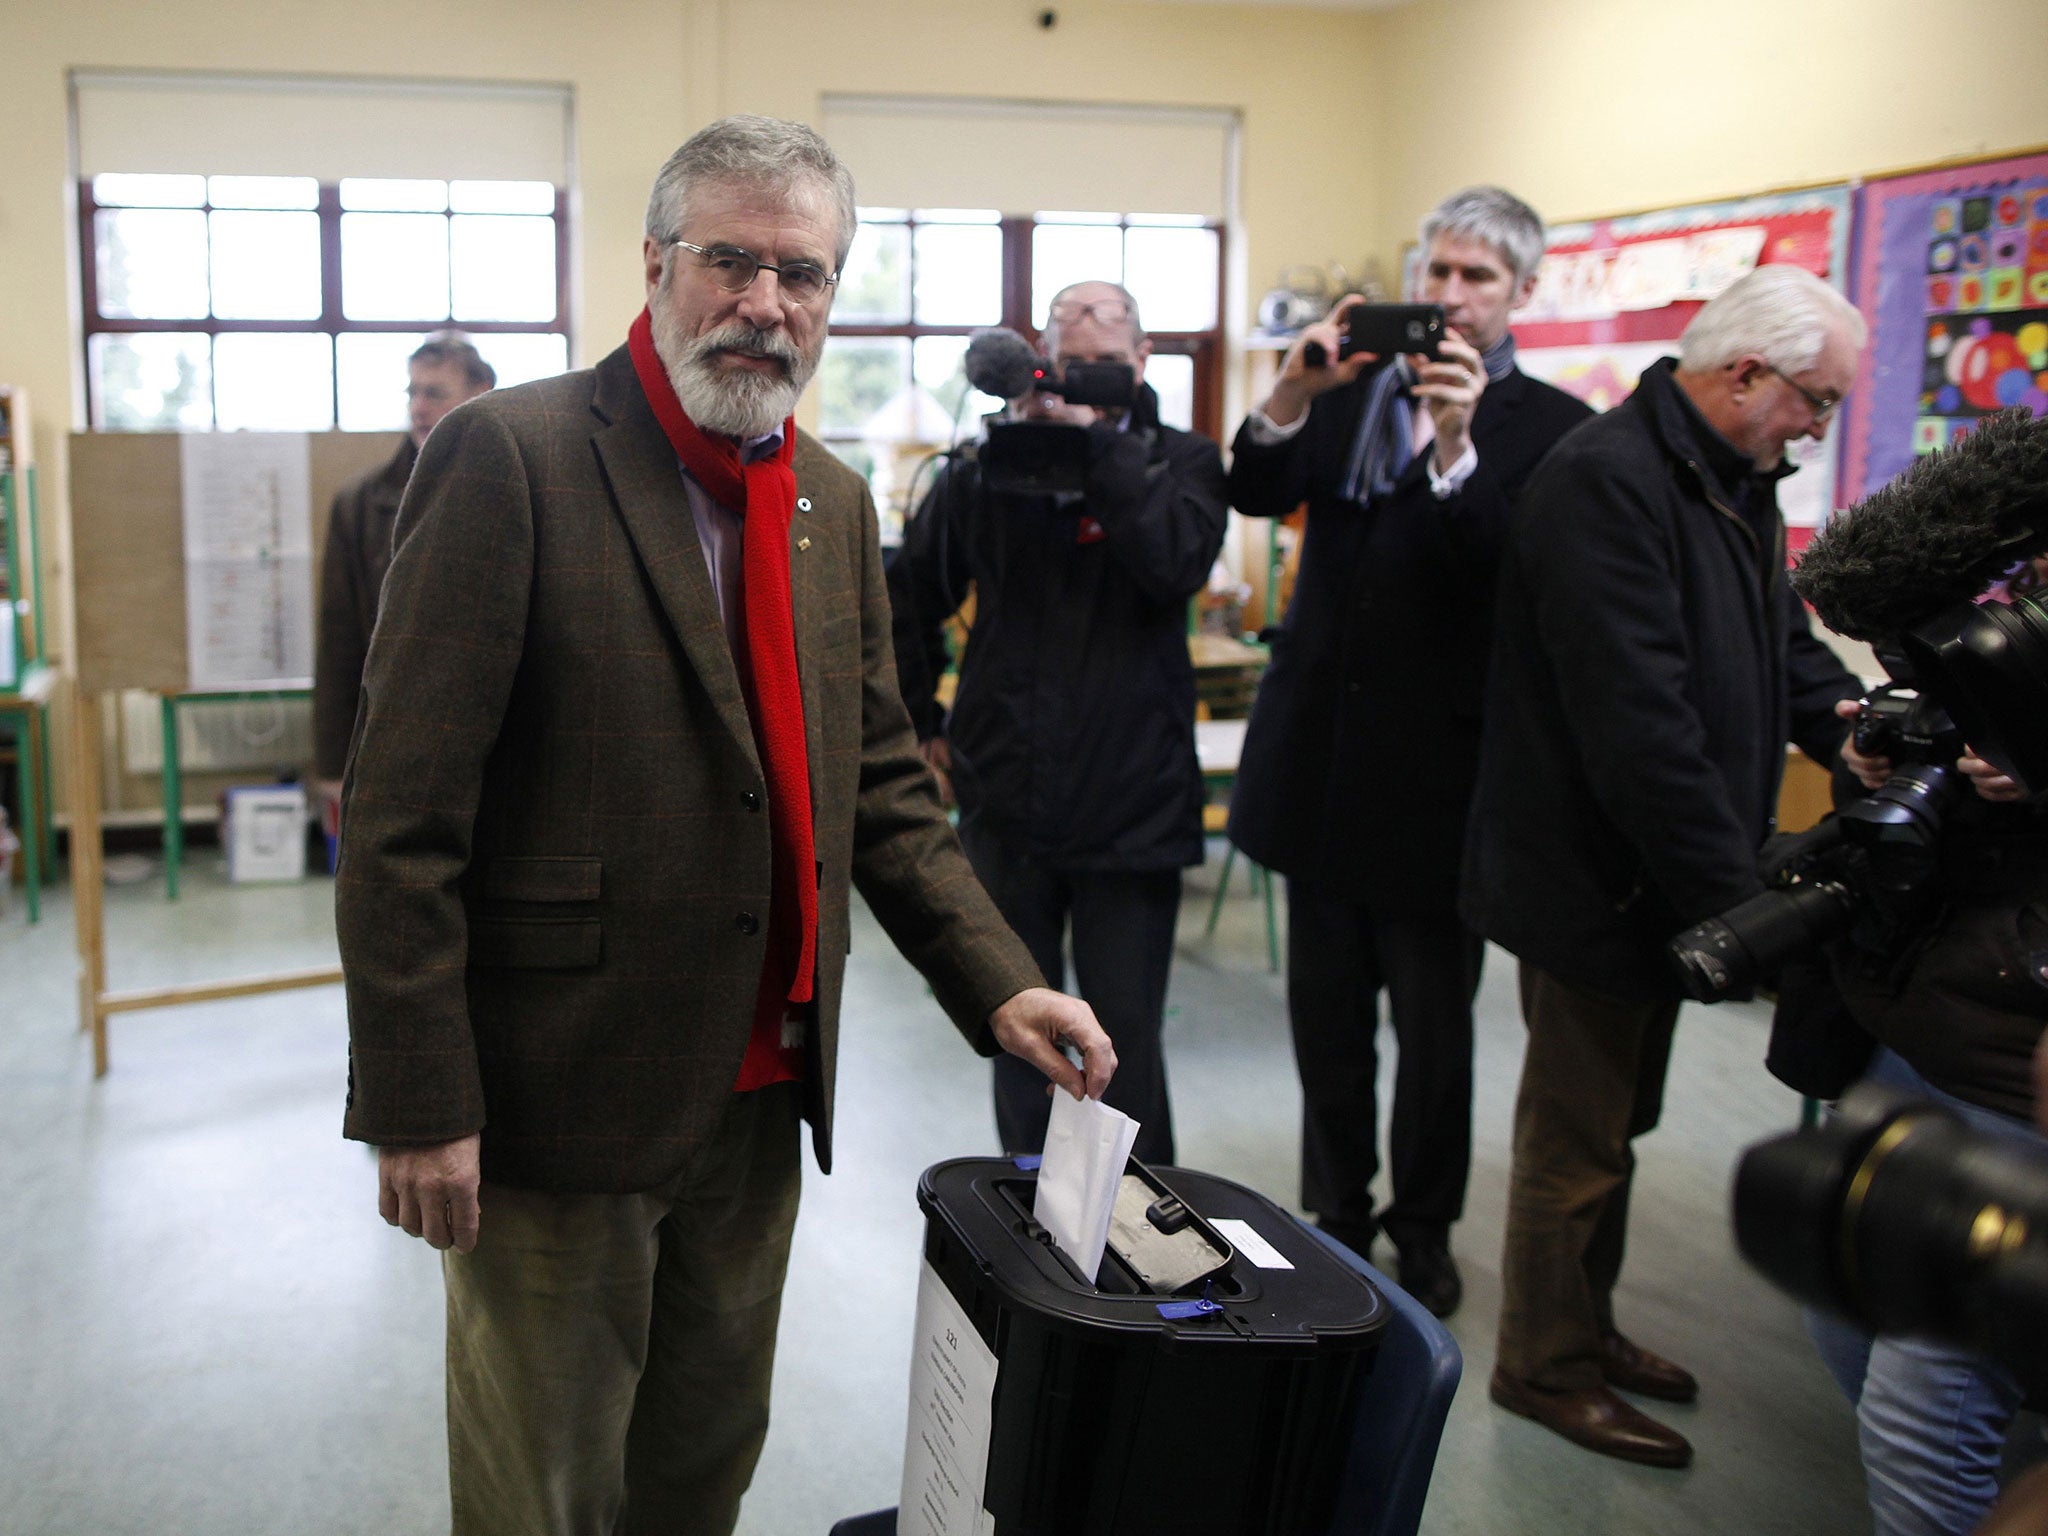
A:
[352,567]
[1364,741]
[1651,662]
[554,882]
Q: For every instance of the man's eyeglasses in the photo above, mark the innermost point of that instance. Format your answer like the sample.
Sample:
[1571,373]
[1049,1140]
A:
[1106,311]
[1822,406]
[734,270]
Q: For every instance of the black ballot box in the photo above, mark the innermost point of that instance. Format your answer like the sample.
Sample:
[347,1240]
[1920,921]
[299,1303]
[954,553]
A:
[1198,1383]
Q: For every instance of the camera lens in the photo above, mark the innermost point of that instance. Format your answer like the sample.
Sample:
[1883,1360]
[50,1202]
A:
[1726,956]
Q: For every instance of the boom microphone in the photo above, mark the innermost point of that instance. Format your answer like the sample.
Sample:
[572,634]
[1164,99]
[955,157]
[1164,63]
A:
[1001,363]
[1936,535]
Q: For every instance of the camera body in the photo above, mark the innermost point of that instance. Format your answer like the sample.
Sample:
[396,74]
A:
[1859,872]
[1050,458]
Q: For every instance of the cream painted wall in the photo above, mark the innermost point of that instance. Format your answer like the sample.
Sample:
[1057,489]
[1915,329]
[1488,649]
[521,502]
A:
[1605,106]
[645,73]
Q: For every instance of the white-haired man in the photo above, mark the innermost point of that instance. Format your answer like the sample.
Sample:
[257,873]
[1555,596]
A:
[1646,678]
[1359,762]
[630,731]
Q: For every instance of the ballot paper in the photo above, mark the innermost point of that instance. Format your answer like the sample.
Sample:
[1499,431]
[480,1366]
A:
[1086,1146]
[952,1395]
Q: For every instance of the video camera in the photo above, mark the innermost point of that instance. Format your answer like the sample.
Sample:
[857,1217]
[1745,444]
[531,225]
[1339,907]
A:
[1040,457]
[1902,570]
[1898,1215]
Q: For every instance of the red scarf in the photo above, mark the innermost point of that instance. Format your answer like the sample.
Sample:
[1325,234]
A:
[764,494]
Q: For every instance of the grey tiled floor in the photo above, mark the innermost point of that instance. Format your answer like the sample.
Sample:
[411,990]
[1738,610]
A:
[205,1329]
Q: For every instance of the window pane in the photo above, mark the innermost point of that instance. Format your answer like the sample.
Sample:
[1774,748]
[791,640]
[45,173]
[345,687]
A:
[857,378]
[1172,273]
[874,285]
[1059,217]
[115,189]
[150,383]
[150,264]
[1172,377]
[1062,254]
[881,215]
[504,267]
[501,196]
[394,266]
[266,266]
[370,378]
[959,274]
[958,216]
[263,191]
[518,359]
[389,196]
[1189,220]
[939,365]
[273,383]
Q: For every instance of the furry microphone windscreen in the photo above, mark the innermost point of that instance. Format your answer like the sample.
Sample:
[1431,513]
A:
[1936,535]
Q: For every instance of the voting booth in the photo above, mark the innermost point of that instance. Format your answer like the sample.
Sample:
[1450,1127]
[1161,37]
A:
[1196,1383]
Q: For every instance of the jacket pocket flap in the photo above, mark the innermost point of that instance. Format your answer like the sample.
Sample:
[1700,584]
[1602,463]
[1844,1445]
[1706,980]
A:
[536,943]
[542,879]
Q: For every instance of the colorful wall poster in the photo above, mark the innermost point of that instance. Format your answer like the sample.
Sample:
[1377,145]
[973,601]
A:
[1952,271]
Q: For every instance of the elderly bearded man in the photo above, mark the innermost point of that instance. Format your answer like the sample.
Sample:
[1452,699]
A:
[631,730]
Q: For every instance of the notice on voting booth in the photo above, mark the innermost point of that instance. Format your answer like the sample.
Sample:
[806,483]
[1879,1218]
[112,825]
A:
[952,1402]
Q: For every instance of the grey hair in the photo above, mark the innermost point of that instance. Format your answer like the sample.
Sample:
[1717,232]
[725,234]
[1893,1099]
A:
[1782,313]
[750,151]
[454,347]
[1495,216]
[1049,337]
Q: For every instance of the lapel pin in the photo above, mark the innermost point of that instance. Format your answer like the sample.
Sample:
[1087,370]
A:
[803,543]
[803,503]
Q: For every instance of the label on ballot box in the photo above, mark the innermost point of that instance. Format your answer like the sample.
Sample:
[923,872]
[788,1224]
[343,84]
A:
[264,833]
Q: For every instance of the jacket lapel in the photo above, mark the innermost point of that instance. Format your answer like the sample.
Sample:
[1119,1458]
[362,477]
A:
[647,486]
[808,543]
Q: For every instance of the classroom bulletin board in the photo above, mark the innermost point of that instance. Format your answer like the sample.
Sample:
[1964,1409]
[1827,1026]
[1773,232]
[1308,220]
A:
[1612,296]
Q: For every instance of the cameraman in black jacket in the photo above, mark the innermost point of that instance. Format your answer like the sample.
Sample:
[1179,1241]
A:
[1070,745]
[1957,998]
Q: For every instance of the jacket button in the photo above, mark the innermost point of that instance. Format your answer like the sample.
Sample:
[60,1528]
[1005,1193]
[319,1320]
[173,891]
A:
[751,800]
[747,923]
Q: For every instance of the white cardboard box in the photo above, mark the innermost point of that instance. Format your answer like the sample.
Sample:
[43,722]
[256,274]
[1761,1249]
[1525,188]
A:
[265,833]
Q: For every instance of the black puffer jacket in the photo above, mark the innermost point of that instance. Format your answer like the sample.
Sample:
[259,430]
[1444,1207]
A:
[1072,734]
[1650,662]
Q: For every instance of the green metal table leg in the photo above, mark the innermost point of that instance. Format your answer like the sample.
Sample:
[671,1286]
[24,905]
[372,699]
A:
[1222,889]
[174,799]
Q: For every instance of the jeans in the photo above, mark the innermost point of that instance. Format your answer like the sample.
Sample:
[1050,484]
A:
[1931,1416]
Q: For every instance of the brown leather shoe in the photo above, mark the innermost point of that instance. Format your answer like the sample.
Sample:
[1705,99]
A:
[1597,1420]
[1629,1366]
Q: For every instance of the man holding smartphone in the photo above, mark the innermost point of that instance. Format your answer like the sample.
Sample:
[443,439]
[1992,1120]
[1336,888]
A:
[1363,746]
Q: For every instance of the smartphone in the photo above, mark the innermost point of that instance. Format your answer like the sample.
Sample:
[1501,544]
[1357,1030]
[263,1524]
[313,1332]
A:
[1385,329]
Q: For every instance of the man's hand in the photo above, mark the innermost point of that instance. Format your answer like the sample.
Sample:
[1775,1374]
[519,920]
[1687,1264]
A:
[431,1191]
[1035,1023]
[1872,771]
[1990,783]
[1300,381]
[1450,387]
[938,756]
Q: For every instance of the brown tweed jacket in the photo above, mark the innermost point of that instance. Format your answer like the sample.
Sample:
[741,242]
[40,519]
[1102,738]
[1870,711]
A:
[553,891]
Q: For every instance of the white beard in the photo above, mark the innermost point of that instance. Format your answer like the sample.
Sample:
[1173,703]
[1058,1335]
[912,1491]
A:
[735,402]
